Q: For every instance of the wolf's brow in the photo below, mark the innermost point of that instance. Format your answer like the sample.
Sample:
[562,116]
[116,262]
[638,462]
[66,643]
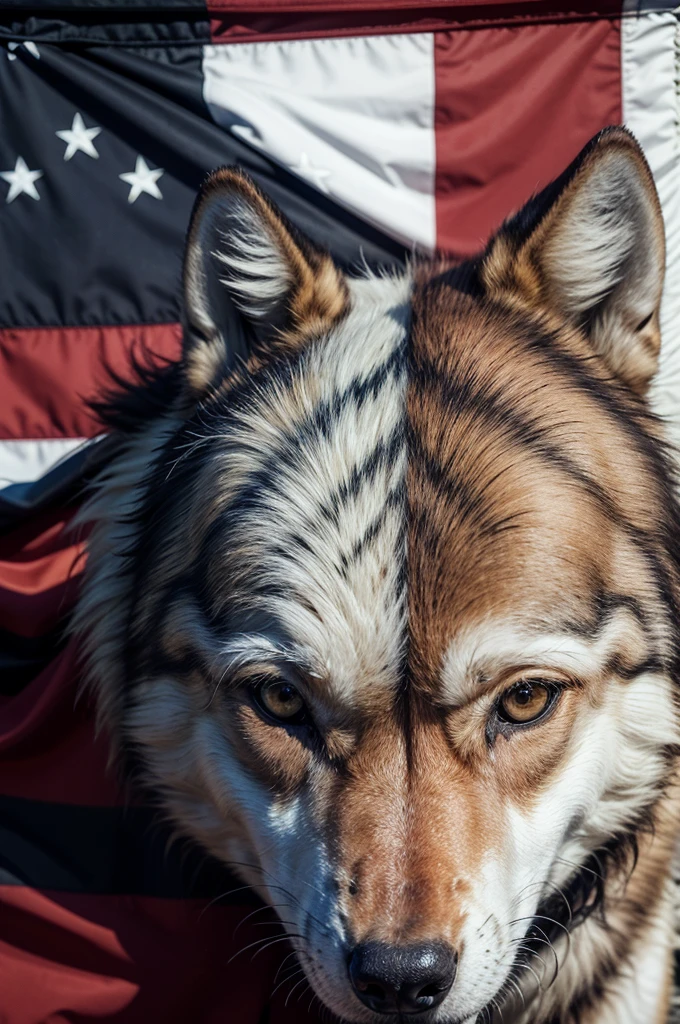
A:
[249,648]
[494,647]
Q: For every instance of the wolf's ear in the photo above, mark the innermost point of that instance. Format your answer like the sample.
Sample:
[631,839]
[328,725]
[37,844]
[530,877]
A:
[253,286]
[591,249]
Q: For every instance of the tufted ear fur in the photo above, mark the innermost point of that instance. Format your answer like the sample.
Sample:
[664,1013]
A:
[590,249]
[253,286]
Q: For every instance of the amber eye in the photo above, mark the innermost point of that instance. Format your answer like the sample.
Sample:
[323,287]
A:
[280,700]
[526,701]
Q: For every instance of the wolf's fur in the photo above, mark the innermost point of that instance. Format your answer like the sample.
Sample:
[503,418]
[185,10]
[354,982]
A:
[402,494]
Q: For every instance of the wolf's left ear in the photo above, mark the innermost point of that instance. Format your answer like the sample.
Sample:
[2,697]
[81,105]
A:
[591,249]
[254,287]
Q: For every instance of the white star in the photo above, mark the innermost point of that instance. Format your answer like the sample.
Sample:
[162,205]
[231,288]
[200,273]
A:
[30,46]
[21,180]
[79,138]
[316,175]
[142,179]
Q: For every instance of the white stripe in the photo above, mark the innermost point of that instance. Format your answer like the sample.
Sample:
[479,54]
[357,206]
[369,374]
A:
[649,45]
[354,117]
[24,460]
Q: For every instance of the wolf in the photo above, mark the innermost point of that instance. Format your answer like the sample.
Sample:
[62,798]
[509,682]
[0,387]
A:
[382,602]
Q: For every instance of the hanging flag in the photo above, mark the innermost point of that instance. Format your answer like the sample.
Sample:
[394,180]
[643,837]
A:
[381,129]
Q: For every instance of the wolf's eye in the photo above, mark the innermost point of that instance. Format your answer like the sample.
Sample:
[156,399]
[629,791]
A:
[526,701]
[280,700]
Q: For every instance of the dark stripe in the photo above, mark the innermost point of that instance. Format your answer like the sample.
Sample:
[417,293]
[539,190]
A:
[609,602]
[629,672]
[617,400]
[449,487]
[320,423]
[394,499]
[383,456]
[604,605]
[621,404]
[461,396]
[106,850]
[458,395]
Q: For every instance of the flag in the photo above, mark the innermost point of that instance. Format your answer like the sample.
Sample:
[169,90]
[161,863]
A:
[381,129]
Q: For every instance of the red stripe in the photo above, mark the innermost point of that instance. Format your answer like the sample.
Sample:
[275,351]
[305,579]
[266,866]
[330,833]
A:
[67,957]
[513,107]
[238,23]
[48,747]
[47,374]
[340,6]
[40,566]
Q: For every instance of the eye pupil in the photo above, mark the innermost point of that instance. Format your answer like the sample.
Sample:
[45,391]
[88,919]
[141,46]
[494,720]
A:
[280,700]
[526,701]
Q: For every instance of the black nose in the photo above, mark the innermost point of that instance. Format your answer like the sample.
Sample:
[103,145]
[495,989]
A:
[402,979]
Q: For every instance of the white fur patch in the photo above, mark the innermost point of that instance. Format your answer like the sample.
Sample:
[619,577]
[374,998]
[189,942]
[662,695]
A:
[258,275]
[488,648]
[609,217]
[337,568]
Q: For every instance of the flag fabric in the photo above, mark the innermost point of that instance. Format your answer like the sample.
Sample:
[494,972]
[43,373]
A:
[380,128]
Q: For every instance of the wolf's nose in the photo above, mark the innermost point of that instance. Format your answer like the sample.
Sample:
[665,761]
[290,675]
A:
[402,979]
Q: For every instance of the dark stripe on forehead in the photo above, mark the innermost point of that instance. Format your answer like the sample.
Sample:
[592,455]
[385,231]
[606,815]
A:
[467,501]
[305,538]
[613,397]
[456,395]
[383,457]
[394,499]
[320,423]
[616,666]
[632,415]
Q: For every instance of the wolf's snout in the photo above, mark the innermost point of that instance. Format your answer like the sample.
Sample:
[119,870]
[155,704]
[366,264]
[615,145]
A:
[402,979]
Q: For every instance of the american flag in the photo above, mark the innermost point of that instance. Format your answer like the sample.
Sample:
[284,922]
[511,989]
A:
[380,128]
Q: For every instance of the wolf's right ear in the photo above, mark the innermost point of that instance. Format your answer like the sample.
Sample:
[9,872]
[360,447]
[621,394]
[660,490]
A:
[590,248]
[254,287]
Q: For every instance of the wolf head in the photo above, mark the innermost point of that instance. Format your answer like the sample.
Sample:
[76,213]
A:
[383,587]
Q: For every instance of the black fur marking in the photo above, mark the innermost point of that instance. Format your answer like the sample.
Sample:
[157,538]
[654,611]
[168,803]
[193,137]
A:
[615,398]
[605,604]
[394,499]
[617,667]
[383,456]
[458,395]
[452,489]
[264,481]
